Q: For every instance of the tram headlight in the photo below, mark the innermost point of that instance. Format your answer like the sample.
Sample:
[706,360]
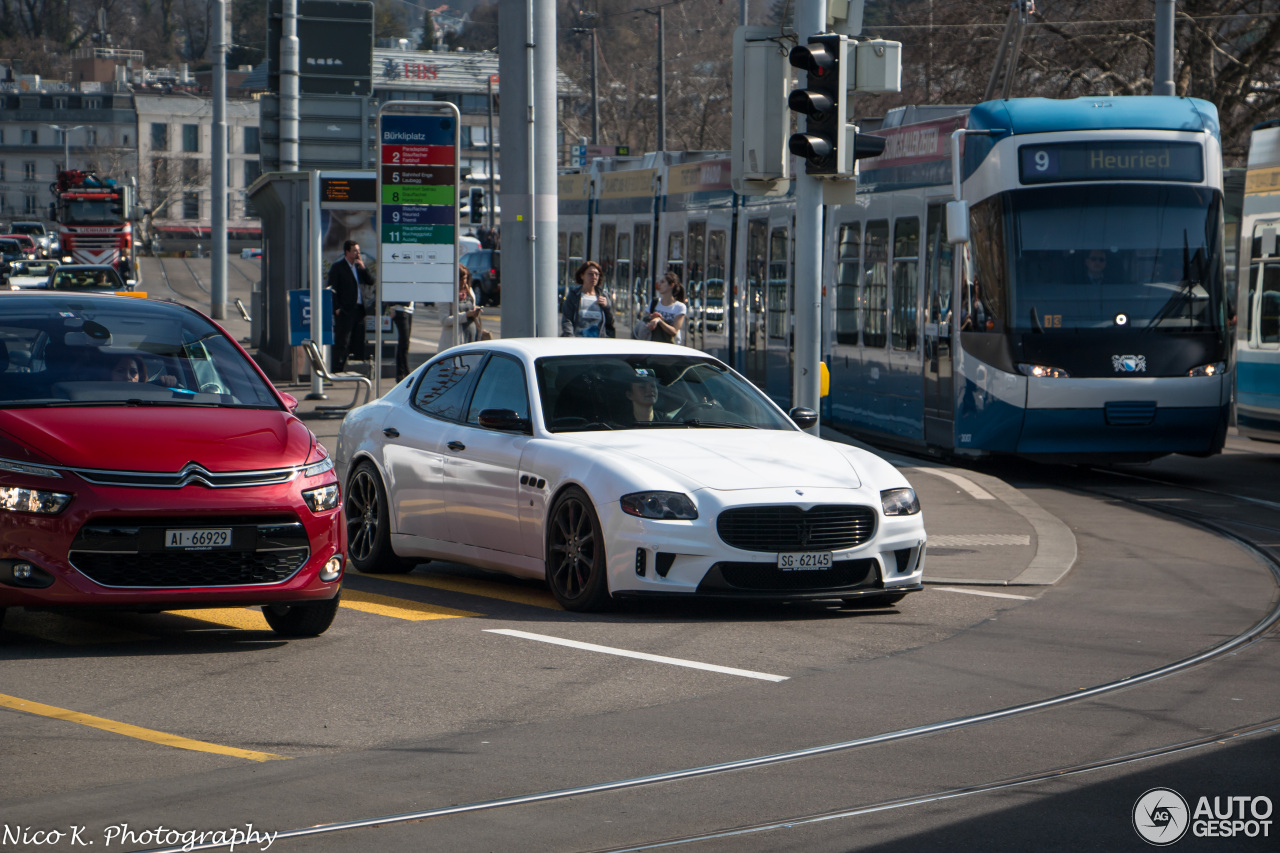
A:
[1215,369]
[1043,371]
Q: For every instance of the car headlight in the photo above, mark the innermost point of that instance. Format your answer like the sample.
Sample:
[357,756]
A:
[664,505]
[32,500]
[325,464]
[29,470]
[1215,369]
[1043,371]
[323,498]
[899,502]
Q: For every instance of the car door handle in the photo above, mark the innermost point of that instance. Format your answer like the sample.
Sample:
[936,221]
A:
[391,432]
[456,445]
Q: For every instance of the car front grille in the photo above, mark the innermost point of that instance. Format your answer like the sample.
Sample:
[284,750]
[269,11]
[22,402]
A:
[744,578]
[790,528]
[191,473]
[130,553]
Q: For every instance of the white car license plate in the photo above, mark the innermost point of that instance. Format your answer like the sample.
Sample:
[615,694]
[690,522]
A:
[205,537]
[805,561]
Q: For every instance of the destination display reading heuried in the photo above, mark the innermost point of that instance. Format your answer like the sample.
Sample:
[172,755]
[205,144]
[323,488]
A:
[1061,162]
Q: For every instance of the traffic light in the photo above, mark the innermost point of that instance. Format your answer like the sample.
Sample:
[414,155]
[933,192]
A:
[822,102]
[477,205]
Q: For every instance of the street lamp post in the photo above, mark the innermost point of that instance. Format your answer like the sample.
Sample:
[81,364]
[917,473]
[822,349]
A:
[66,142]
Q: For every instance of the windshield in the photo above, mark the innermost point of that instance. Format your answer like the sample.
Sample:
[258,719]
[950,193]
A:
[24,228]
[105,212]
[591,392]
[1109,257]
[78,351]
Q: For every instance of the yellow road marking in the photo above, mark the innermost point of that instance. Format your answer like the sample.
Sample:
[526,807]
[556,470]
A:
[515,594]
[240,618]
[398,608]
[137,732]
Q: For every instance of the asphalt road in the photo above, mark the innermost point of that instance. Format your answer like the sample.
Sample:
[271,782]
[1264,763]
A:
[980,713]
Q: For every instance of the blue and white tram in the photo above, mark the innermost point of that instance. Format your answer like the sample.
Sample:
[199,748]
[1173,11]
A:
[1258,301]
[999,344]
[1084,317]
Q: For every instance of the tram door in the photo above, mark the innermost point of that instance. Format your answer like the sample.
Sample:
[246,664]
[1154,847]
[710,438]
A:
[641,275]
[694,283]
[713,320]
[779,325]
[605,253]
[623,289]
[753,320]
[939,428]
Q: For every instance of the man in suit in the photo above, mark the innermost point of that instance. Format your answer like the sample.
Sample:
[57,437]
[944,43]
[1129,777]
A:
[345,277]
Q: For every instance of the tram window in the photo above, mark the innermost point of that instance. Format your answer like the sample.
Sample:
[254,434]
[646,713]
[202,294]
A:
[906,282]
[1269,305]
[675,253]
[623,274]
[694,260]
[939,260]
[850,257]
[778,283]
[640,275]
[757,267]
[875,286]
[714,316]
[562,262]
[987,286]
[608,239]
[577,252]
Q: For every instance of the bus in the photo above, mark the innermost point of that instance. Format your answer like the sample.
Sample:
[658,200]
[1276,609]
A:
[1258,297]
[1035,277]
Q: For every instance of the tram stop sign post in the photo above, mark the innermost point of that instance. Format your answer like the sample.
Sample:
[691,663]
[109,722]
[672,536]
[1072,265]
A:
[418,201]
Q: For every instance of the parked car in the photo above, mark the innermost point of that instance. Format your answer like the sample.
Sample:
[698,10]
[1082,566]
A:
[616,468]
[250,253]
[46,239]
[86,277]
[146,463]
[486,274]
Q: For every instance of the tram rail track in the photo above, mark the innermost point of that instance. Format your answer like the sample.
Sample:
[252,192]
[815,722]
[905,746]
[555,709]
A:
[1260,629]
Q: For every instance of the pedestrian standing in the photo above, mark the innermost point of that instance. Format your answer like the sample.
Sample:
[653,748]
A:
[402,319]
[345,277]
[587,312]
[666,322]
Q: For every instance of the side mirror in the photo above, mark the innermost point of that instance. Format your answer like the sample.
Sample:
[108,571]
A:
[290,401]
[957,222]
[506,420]
[803,417]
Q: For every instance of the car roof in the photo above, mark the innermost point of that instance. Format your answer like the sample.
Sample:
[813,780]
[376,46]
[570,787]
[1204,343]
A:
[86,268]
[533,348]
[53,301]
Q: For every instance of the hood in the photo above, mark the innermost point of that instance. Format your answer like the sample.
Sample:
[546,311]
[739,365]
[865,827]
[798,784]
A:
[157,439]
[728,459]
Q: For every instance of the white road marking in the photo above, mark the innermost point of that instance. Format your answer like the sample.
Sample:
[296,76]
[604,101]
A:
[982,592]
[592,647]
[975,491]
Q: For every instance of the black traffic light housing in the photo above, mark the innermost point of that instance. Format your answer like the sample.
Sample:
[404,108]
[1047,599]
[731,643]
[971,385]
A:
[823,104]
[477,205]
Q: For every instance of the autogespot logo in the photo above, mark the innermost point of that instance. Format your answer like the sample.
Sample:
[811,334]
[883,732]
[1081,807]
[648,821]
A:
[1160,816]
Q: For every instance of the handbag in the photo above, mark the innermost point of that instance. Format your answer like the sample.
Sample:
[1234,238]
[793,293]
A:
[641,331]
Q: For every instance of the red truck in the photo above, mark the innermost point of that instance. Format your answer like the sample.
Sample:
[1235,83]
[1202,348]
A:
[93,216]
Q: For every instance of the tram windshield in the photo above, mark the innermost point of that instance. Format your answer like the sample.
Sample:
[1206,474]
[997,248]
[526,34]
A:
[1121,256]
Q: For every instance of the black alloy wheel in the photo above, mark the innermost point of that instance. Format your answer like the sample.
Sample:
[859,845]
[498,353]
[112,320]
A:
[369,525]
[309,619]
[575,553]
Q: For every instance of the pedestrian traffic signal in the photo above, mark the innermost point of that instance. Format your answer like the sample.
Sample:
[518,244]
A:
[823,104]
[477,205]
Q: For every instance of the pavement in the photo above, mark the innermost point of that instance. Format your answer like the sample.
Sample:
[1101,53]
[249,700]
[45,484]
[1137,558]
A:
[983,532]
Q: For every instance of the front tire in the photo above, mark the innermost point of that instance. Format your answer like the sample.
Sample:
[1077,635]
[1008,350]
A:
[369,525]
[575,554]
[310,619]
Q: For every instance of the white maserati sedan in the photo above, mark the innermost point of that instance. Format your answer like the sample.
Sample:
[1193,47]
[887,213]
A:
[617,469]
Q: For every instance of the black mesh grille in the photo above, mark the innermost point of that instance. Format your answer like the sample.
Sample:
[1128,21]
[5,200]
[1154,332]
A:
[766,577]
[190,569]
[789,528]
[131,552]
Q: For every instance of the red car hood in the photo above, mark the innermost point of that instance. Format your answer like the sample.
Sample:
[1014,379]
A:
[161,439]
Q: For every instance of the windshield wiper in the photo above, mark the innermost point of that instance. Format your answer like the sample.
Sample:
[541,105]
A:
[696,422]
[594,426]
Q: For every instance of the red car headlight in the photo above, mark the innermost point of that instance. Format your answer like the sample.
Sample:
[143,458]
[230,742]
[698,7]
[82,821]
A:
[40,501]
